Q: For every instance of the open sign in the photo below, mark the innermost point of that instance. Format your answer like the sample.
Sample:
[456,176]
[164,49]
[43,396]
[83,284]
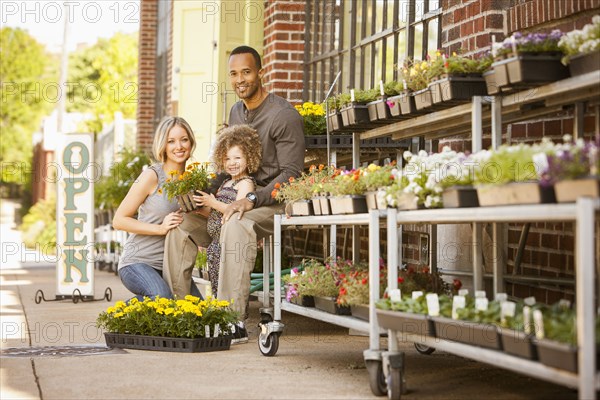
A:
[74,216]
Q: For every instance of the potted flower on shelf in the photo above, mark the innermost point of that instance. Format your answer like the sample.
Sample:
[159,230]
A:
[556,336]
[379,109]
[297,194]
[510,175]
[320,178]
[582,48]
[532,59]
[355,113]
[573,168]
[377,179]
[323,283]
[313,116]
[182,325]
[400,104]
[299,284]
[347,191]
[334,117]
[457,79]
[417,79]
[354,288]
[182,186]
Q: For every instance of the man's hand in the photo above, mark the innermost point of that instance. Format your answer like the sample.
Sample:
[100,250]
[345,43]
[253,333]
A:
[239,206]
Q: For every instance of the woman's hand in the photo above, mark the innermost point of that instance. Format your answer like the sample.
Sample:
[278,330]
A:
[204,199]
[172,220]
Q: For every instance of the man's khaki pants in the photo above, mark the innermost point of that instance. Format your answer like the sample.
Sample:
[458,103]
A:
[238,252]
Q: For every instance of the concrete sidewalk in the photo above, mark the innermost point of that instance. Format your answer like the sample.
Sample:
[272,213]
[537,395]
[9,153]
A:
[315,360]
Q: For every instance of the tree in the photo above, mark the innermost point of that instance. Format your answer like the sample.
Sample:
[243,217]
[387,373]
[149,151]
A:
[103,79]
[25,74]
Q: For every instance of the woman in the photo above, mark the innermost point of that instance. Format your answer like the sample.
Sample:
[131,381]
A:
[141,264]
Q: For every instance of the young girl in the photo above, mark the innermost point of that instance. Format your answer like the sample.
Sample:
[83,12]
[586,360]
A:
[237,153]
[141,263]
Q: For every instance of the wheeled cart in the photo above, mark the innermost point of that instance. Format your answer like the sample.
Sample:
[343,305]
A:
[583,213]
[271,325]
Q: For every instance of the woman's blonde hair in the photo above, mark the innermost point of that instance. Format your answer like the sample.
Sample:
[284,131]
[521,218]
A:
[243,136]
[159,145]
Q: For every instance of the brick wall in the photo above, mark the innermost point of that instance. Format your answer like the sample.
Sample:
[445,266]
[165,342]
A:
[284,48]
[565,15]
[468,26]
[146,74]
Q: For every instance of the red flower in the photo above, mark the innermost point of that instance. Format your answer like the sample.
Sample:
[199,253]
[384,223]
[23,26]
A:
[401,280]
[457,284]
[277,185]
[343,290]
[364,281]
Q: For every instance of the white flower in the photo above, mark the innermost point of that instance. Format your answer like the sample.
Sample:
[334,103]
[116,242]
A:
[540,160]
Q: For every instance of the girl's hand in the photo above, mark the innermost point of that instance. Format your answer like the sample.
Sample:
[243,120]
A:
[171,221]
[204,199]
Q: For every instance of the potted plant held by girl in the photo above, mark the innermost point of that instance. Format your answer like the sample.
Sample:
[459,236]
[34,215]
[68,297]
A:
[182,186]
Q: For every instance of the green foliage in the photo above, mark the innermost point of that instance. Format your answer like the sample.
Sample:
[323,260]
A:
[110,190]
[25,69]
[411,279]
[201,259]
[104,79]
[39,225]
[376,177]
[508,164]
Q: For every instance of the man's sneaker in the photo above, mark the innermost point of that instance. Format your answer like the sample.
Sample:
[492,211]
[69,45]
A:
[240,334]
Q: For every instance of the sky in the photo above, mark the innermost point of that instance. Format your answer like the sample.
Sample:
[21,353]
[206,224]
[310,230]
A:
[89,20]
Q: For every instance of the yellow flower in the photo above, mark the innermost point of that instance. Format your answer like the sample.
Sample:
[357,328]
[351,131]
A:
[191,298]
[169,311]
[118,315]
[134,301]
[120,304]
[110,310]
[373,167]
[173,172]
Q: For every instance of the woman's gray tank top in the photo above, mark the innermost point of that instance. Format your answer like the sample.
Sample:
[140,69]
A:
[149,249]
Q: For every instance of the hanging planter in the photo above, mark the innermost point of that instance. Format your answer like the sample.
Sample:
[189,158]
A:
[535,68]
[518,343]
[402,104]
[423,99]
[334,121]
[568,191]
[515,193]
[490,82]
[460,196]
[355,115]
[455,88]
[348,204]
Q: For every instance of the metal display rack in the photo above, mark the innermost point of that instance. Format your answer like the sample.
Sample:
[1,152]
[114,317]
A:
[386,367]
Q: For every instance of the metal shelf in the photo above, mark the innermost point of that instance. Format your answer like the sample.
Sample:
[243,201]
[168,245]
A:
[518,106]
[521,213]
[340,320]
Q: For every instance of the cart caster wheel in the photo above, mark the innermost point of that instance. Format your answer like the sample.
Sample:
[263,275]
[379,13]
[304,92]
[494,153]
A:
[270,346]
[422,349]
[376,377]
[395,386]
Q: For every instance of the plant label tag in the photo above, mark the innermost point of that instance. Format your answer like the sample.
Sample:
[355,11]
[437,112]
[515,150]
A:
[457,302]
[527,320]
[293,273]
[381,90]
[481,303]
[507,310]
[352,95]
[564,303]
[433,304]
[501,297]
[530,301]
[217,330]
[395,295]
[206,331]
[538,320]
[416,294]
[463,292]
[480,293]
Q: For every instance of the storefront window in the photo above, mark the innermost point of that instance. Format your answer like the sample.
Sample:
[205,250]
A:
[366,40]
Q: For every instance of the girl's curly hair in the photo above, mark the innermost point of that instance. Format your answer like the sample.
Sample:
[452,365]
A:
[243,136]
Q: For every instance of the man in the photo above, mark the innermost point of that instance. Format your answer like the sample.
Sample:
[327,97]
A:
[281,131]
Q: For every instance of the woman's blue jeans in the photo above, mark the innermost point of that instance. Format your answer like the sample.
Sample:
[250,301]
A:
[144,281]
